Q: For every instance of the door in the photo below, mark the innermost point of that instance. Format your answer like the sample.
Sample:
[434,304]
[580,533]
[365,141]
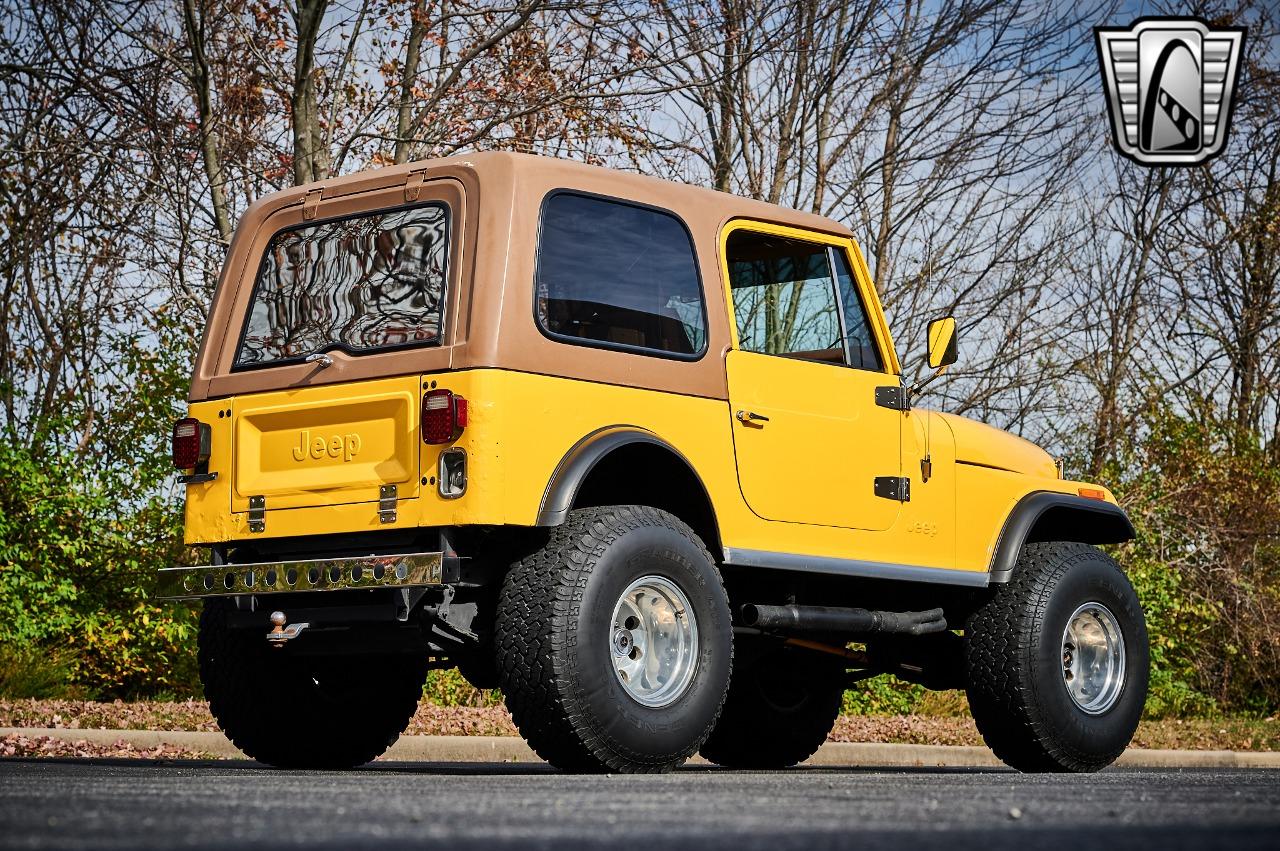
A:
[809,438]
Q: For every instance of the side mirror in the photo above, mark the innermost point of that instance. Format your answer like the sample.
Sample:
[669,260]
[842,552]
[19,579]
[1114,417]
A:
[942,342]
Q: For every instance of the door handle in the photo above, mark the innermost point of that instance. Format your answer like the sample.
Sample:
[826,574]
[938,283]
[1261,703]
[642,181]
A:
[748,417]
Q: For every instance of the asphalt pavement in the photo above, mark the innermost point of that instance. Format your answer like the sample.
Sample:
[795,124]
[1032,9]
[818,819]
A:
[49,803]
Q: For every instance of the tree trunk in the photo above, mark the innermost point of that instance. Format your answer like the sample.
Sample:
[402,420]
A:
[201,86]
[310,155]
[412,55]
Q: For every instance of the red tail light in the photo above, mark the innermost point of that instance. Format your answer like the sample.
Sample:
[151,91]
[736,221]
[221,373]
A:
[190,443]
[444,416]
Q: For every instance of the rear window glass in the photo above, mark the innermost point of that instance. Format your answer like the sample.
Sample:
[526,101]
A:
[619,276]
[356,284]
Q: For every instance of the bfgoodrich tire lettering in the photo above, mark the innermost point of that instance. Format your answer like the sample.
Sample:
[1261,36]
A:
[554,650]
[1014,656]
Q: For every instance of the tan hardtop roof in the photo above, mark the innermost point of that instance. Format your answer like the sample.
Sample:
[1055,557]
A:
[496,198]
[734,205]
[571,172]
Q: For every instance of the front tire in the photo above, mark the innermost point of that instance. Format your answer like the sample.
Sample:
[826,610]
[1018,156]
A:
[614,642]
[303,711]
[1057,661]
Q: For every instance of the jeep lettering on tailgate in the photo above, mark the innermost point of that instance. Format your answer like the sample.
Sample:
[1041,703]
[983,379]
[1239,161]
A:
[337,446]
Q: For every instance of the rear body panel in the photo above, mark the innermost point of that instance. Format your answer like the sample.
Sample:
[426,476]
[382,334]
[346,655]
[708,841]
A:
[521,426]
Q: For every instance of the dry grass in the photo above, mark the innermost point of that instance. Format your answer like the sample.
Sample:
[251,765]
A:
[431,719]
[118,715]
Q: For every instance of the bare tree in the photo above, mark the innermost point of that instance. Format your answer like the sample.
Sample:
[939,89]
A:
[76,196]
[310,151]
[201,83]
[949,138]
[1115,303]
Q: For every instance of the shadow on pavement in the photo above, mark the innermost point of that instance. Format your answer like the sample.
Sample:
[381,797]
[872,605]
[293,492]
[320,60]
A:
[504,769]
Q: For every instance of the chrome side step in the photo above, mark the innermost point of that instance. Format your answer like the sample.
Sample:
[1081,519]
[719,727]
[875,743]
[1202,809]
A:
[281,577]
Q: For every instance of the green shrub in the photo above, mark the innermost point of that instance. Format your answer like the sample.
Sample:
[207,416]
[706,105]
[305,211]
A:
[882,695]
[76,570]
[37,672]
[88,515]
[1204,498]
[447,687]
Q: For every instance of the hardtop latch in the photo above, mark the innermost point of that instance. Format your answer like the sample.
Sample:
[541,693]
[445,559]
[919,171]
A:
[413,184]
[311,203]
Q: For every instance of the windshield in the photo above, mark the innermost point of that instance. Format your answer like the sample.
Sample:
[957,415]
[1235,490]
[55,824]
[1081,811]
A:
[361,283]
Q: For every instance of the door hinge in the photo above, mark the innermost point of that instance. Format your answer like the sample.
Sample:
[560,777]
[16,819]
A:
[893,398]
[413,184]
[257,514]
[311,203]
[387,504]
[893,487]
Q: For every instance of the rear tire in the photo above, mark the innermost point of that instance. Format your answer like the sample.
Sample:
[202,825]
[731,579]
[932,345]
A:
[781,707]
[1057,661]
[303,711]
[572,619]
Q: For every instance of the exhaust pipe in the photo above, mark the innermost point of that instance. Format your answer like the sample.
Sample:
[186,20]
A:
[828,619]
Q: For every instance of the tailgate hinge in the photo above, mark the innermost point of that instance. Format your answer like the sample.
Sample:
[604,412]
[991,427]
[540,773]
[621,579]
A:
[413,184]
[311,202]
[257,514]
[893,487]
[387,504]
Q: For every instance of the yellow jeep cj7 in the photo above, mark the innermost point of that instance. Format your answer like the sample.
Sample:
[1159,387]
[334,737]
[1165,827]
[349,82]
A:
[639,455]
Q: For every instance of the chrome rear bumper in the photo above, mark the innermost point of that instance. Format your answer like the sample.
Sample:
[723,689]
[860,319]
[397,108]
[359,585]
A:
[291,577]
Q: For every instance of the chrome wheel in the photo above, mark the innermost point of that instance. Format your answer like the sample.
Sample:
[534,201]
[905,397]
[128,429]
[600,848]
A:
[1093,658]
[654,641]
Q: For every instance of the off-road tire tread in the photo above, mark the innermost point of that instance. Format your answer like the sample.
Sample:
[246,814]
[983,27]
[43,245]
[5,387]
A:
[1001,686]
[254,723]
[539,601]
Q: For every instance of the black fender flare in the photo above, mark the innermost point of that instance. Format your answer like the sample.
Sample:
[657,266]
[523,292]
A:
[1065,517]
[578,462]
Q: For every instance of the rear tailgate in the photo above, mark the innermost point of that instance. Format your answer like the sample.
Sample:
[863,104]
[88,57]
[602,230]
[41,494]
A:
[326,445]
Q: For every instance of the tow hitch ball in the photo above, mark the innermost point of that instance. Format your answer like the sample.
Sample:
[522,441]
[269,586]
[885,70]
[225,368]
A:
[281,634]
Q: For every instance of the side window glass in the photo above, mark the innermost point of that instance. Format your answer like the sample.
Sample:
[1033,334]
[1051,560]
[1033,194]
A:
[784,298]
[863,353]
[618,276]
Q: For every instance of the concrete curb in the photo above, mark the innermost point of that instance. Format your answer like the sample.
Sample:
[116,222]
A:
[512,749]
[214,744]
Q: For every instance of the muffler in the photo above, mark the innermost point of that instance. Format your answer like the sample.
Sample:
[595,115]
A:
[829,619]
